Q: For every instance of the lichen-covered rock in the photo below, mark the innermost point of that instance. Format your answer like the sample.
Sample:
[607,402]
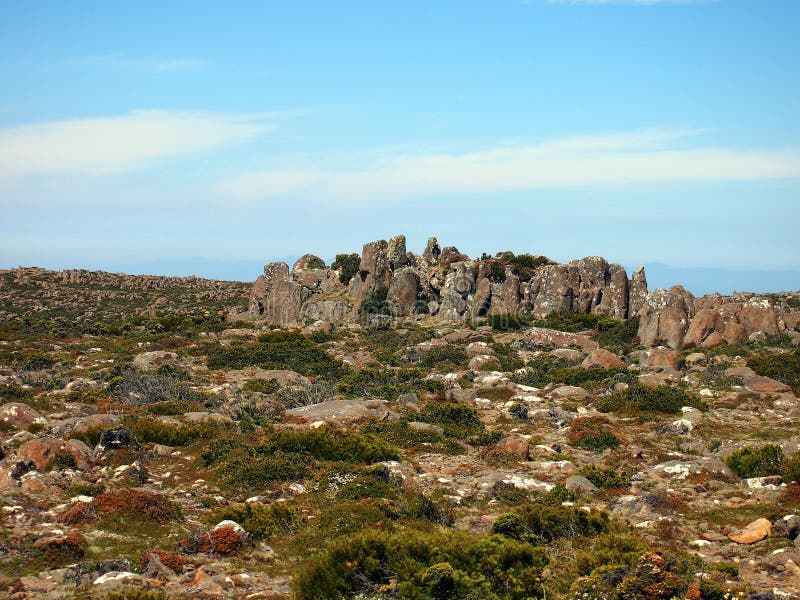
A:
[20,416]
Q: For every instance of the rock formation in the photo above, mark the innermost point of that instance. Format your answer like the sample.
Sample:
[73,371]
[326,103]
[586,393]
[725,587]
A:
[449,286]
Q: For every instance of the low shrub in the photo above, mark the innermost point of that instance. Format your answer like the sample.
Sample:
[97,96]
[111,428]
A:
[458,420]
[131,503]
[540,523]
[147,430]
[263,522]
[64,460]
[55,552]
[665,399]
[604,478]
[508,322]
[150,388]
[620,336]
[329,443]
[446,357]
[592,433]
[261,386]
[414,564]
[566,320]
[172,560]
[386,383]
[137,594]
[277,350]
[347,265]
[760,461]
[783,366]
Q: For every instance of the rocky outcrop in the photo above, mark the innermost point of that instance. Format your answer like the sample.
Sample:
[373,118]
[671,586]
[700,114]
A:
[447,285]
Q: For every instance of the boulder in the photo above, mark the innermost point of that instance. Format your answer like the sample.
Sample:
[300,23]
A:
[661,358]
[517,446]
[41,452]
[537,338]
[752,533]
[20,416]
[484,362]
[340,410]
[705,322]
[579,483]
[150,360]
[758,383]
[602,358]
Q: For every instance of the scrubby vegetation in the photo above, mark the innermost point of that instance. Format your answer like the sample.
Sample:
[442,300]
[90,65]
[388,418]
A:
[783,366]
[664,399]
[757,462]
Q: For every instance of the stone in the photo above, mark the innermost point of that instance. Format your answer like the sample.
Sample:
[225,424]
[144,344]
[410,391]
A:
[517,446]
[734,333]
[118,437]
[752,533]
[664,317]
[41,452]
[758,383]
[97,421]
[787,527]
[705,322]
[403,291]
[569,391]
[602,358]
[579,483]
[340,411]
[484,362]
[637,291]
[397,253]
[537,338]
[662,358]
[425,427]
[20,416]
[150,360]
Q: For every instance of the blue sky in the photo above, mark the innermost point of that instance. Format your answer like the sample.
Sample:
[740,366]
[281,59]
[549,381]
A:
[150,133]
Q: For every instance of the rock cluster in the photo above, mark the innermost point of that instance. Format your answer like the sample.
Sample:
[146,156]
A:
[443,283]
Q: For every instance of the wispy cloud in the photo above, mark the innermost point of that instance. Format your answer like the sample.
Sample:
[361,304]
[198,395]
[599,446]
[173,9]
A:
[149,64]
[102,145]
[640,157]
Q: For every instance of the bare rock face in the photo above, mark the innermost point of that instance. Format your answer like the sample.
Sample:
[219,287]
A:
[758,314]
[373,273]
[552,289]
[396,253]
[664,318]
[403,291]
[705,322]
[432,252]
[637,291]
[41,452]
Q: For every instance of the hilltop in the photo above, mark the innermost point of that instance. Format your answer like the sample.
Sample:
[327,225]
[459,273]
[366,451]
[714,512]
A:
[396,425]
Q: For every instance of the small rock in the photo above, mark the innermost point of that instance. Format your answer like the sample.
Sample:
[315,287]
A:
[754,532]
[579,483]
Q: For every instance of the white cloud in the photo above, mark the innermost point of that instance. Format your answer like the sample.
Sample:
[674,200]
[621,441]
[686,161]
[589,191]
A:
[641,157]
[102,145]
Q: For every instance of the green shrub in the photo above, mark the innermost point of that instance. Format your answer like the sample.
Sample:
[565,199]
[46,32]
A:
[665,399]
[137,594]
[376,303]
[757,462]
[147,430]
[604,478]
[508,357]
[458,420]
[64,460]
[246,474]
[445,357]
[508,322]
[566,320]
[386,383]
[329,443]
[416,565]
[277,350]
[347,265]
[540,523]
[792,468]
[784,367]
[620,336]
[263,522]
[261,386]
[592,433]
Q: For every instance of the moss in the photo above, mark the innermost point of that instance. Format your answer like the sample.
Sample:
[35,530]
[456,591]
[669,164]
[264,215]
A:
[261,386]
